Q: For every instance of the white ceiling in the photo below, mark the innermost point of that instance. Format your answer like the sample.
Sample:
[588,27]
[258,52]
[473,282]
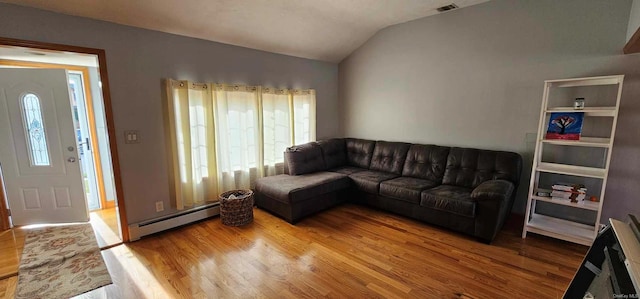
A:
[326,30]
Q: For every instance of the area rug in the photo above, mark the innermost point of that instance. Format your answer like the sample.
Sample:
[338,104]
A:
[60,262]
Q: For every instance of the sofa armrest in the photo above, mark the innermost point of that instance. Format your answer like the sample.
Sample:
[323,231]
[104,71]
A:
[493,201]
[493,190]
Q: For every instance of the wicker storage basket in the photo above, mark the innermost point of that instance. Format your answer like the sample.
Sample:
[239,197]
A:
[238,211]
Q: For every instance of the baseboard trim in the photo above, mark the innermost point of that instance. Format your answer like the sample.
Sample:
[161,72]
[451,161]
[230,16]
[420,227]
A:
[138,230]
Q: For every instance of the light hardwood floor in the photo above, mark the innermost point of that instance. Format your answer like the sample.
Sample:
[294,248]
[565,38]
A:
[105,224]
[11,243]
[347,252]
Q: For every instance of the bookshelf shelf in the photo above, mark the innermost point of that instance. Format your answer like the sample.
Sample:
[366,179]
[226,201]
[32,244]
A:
[584,141]
[589,172]
[537,221]
[588,81]
[588,111]
[584,204]
[561,229]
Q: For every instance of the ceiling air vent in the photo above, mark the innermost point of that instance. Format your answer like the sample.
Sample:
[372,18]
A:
[447,7]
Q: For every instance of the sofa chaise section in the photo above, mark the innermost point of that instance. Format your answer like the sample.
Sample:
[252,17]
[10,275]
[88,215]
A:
[305,189]
[295,197]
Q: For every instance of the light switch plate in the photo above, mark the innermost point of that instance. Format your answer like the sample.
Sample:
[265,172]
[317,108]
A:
[131,136]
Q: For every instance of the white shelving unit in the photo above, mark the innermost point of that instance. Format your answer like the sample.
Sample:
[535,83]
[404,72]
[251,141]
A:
[557,227]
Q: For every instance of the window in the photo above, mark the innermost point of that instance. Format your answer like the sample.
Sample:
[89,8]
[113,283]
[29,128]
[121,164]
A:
[276,126]
[224,137]
[237,143]
[34,125]
[304,107]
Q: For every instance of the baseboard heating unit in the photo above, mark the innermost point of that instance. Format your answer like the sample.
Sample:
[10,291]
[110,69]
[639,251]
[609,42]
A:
[145,228]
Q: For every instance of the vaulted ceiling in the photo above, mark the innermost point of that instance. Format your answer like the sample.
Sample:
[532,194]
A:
[327,30]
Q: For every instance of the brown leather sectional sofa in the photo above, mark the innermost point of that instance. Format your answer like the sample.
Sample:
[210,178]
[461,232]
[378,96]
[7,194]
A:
[463,189]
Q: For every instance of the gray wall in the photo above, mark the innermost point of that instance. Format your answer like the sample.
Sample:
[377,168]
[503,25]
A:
[474,77]
[634,19]
[139,59]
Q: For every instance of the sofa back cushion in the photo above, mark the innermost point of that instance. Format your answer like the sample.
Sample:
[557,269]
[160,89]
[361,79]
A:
[334,152]
[468,167]
[426,162]
[359,152]
[389,156]
[305,158]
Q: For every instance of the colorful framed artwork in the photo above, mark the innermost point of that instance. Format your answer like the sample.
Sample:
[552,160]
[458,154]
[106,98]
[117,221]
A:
[565,125]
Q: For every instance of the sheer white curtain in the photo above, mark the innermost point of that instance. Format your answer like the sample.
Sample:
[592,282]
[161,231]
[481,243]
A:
[238,135]
[304,115]
[190,127]
[223,137]
[276,125]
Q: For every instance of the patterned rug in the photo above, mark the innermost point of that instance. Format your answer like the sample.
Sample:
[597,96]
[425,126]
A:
[61,262]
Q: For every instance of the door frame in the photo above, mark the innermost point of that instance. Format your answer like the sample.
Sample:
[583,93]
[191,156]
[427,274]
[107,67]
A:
[4,212]
[106,95]
[104,204]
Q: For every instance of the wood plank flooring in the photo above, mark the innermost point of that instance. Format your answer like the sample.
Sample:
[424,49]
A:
[11,244]
[347,252]
[105,224]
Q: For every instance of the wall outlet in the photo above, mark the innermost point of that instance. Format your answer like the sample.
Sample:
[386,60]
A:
[159,206]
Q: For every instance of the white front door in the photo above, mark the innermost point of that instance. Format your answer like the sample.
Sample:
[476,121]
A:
[38,148]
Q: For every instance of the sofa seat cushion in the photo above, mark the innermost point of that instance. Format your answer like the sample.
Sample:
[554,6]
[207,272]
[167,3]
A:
[406,188]
[292,189]
[347,170]
[369,180]
[452,199]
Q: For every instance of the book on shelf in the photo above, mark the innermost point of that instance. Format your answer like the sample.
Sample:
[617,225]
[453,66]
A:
[543,192]
[567,194]
[565,125]
[569,187]
[571,192]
